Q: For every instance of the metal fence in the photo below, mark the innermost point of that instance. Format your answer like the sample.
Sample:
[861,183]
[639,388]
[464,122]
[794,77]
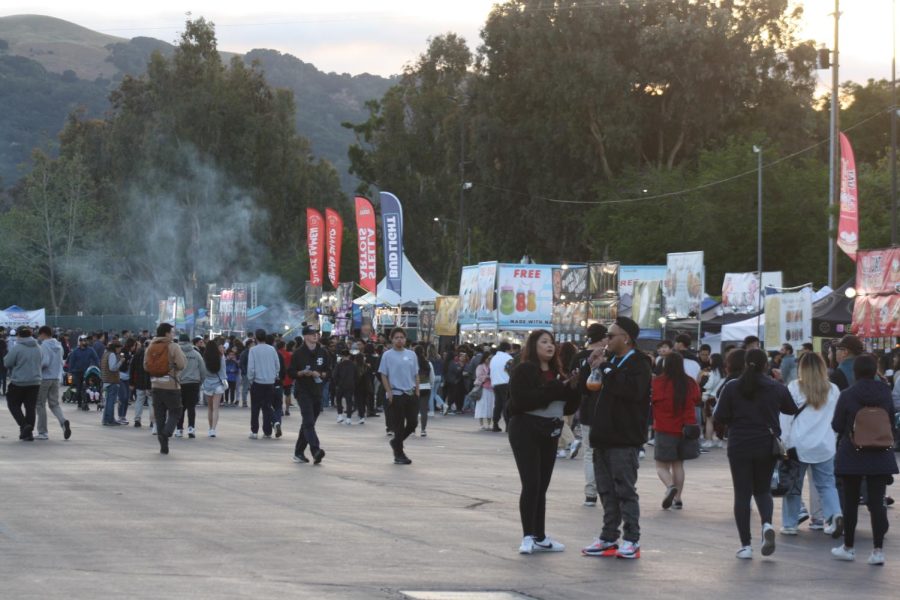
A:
[102,322]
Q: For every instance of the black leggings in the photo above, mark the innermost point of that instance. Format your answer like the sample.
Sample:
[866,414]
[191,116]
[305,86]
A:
[231,392]
[875,486]
[751,477]
[424,399]
[535,452]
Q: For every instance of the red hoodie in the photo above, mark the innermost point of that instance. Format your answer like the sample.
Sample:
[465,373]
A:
[663,395]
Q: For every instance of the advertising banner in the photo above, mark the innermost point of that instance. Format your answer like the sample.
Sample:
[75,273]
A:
[226,310]
[570,321]
[741,291]
[604,280]
[878,271]
[312,296]
[240,309]
[848,223]
[487,294]
[628,275]
[683,288]
[334,238]
[526,297]
[17,318]
[570,284]
[646,307]
[392,230]
[468,295]
[365,235]
[315,241]
[343,314]
[446,316]
[426,321]
[603,311]
[788,318]
[876,316]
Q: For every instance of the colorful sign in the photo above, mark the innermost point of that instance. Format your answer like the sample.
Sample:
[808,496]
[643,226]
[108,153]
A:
[315,240]
[312,295]
[604,280]
[876,316]
[628,276]
[426,321]
[683,289]
[17,318]
[344,315]
[788,318]
[334,237]
[646,306]
[878,271]
[848,223]
[570,284]
[486,290]
[469,297]
[741,292]
[446,310]
[392,230]
[365,235]
[526,297]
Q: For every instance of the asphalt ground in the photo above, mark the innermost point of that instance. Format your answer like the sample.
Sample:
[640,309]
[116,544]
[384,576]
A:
[104,515]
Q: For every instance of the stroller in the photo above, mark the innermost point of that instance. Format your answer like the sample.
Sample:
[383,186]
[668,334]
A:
[91,389]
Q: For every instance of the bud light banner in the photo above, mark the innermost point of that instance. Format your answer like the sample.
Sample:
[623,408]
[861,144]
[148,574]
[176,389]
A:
[334,237]
[315,239]
[365,235]
[526,297]
[392,230]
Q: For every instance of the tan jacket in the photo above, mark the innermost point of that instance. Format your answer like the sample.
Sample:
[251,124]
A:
[177,362]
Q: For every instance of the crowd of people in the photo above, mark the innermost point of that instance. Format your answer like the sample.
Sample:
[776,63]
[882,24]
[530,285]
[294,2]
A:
[782,416]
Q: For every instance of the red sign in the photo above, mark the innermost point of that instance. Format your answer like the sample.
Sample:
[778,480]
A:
[334,237]
[878,271]
[315,240]
[848,224]
[365,229]
[876,316]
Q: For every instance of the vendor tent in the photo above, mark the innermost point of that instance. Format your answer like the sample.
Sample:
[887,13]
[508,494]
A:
[833,314]
[414,290]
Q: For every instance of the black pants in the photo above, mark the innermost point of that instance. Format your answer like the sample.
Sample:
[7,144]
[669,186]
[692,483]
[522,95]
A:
[424,400]
[190,394]
[343,400]
[167,408]
[501,393]
[19,397]
[310,406]
[875,486]
[261,398]
[751,477]
[403,414]
[456,396]
[231,392]
[534,449]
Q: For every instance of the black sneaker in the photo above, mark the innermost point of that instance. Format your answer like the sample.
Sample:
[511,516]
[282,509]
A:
[590,501]
[496,429]
[300,459]
[67,430]
[318,456]
[669,497]
[278,430]
[163,444]
[137,423]
[402,460]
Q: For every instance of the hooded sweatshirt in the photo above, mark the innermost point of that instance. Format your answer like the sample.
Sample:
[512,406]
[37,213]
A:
[177,363]
[194,369]
[24,363]
[51,360]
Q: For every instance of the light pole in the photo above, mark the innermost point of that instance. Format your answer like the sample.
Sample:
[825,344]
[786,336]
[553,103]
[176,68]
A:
[834,149]
[894,239]
[759,223]
[443,222]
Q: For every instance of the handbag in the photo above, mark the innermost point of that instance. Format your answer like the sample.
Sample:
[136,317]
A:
[786,478]
[778,449]
[690,431]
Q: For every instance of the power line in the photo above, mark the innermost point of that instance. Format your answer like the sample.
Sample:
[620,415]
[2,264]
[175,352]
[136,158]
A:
[688,190]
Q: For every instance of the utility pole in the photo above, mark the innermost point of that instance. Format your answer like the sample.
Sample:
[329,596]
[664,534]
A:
[461,226]
[759,223]
[834,156]
[894,240]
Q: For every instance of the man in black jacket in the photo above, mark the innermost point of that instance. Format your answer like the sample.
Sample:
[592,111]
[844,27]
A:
[309,369]
[596,342]
[618,430]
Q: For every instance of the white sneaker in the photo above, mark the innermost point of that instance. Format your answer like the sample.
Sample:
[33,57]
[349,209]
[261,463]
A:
[211,433]
[768,535]
[527,546]
[573,448]
[707,444]
[789,531]
[843,553]
[253,436]
[651,442]
[42,436]
[745,552]
[191,431]
[641,455]
[153,429]
[562,454]
[547,545]
[431,414]
[876,558]
[348,421]
[362,421]
[340,419]
[179,433]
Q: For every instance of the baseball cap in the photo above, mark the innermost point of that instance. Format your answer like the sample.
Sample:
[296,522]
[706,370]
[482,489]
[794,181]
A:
[851,344]
[307,330]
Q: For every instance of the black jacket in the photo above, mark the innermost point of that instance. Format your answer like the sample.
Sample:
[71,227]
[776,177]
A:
[139,378]
[345,376]
[304,359]
[529,391]
[848,460]
[588,398]
[622,413]
[752,421]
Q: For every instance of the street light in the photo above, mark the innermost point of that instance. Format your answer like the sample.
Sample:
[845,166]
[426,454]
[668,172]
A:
[759,223]
[441,221]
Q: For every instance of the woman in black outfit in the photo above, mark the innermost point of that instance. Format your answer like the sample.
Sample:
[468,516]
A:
[749,407]
[853,466]
[539,399]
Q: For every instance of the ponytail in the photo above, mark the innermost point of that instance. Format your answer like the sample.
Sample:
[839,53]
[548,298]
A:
[756,363]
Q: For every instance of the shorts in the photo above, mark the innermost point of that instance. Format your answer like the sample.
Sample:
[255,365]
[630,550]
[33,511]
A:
[671,448]
[213,388]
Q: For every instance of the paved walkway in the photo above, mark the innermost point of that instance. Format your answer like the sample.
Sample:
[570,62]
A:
[104,515]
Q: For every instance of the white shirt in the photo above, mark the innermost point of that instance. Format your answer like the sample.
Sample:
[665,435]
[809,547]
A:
[810,432]
[499,375]
[691,368]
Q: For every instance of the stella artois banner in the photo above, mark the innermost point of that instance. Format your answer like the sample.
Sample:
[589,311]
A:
[848,224]
[365,235]
[334,237]
[315,239]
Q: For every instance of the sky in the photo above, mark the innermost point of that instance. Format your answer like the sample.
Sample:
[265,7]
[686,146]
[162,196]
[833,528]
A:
[381,36]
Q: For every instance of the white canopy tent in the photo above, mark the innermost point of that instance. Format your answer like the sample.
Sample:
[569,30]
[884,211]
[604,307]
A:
[414,290]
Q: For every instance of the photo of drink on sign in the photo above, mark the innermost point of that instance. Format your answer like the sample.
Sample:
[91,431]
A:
[526,296]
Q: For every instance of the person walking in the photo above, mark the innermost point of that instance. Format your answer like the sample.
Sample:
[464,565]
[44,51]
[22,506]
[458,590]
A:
[618,431]
[232,375]
[51,375]
[716,376]
[109,374]
[140,383]
[243,359]
[309,367]
[674,397]
[426,381]
[596,342]
[749,407]
[810,440]
[194,373]
[484,406]
[540,396]
[853,466]
[399,370]
[214,384]
[127,356]
[846,351]
[23,364]
[164,361]
[437,366]
[500,366]
[263,367]
[344,387]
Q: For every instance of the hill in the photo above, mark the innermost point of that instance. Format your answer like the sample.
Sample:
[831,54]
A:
[49,67]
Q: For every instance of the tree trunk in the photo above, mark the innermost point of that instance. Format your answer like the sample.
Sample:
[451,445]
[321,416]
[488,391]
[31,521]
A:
[597,135]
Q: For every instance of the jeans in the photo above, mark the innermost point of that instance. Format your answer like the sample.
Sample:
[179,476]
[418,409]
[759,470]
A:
[167,407]
[875,488]
[310,407]
[823,477]
[190,394]
[19,397]
[590,485]
[326,394]
[403,416]
[140,396]
[438,380]
[261,398]
[245,387]
[534,449]
[110,395]
[751,478]
[124,398]
[48,396]
[501,394]
[615,473]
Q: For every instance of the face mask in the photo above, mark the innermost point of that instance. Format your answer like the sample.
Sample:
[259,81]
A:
[354,351]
